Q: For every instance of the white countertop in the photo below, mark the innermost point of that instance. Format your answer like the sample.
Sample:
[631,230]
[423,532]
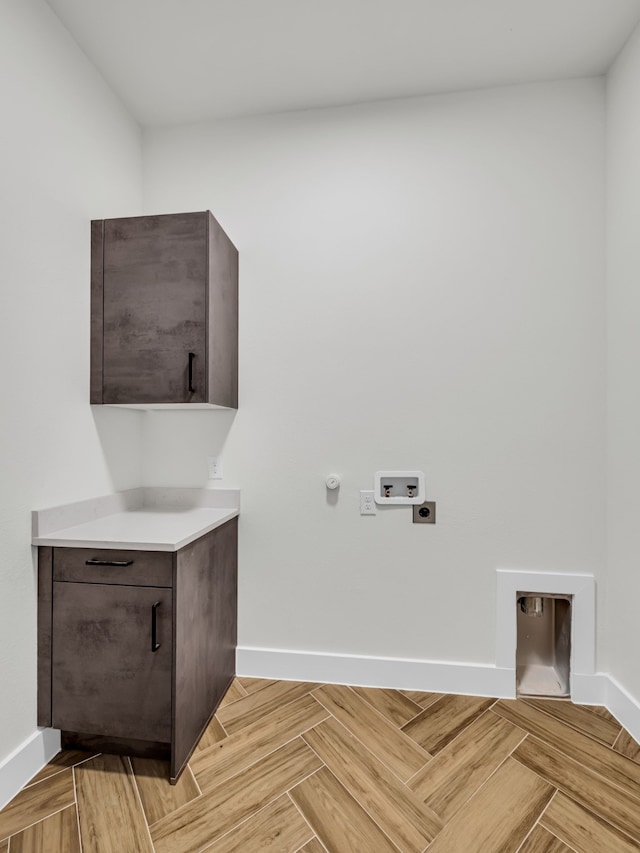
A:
[140,520]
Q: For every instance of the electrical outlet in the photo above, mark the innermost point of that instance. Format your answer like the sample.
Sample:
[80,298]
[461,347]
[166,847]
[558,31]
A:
[425,513]
[215,468]
[367,503]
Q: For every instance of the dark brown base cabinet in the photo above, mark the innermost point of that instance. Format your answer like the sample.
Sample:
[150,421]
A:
[137,648]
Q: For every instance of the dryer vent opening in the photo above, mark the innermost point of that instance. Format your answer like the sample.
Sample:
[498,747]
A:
[543,652]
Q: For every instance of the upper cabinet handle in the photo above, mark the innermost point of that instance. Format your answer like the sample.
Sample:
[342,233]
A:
[192,355]
[108,562]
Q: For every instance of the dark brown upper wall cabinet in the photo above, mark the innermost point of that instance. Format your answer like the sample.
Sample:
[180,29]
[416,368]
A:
[164,312]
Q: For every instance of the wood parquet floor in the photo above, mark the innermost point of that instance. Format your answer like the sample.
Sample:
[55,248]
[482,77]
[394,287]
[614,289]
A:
[290,767]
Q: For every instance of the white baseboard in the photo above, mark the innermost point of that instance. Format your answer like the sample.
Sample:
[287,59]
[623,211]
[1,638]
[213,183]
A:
[398,673]
[589,689]
[624,707]
[432,676]
[25,761]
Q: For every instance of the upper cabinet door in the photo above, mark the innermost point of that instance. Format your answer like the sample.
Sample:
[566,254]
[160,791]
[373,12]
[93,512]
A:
[156,337]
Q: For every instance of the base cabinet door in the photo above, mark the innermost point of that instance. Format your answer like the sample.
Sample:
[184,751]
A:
[112,660]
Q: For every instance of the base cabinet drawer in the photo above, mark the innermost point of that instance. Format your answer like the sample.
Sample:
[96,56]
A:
[105,565]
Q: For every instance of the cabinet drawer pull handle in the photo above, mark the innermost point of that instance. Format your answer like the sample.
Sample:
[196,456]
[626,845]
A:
[155,645]
[192,355]
[108,562]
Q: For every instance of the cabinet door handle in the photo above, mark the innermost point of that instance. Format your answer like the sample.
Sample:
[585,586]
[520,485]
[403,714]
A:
[155,645]
[192,355]
[108,562]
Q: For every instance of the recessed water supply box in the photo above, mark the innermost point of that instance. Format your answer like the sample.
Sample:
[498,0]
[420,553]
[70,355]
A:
[398,487]
[543,651]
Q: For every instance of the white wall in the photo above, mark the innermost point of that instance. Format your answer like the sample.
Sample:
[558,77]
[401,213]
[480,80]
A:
[623,329]
[68,153]
[421,287]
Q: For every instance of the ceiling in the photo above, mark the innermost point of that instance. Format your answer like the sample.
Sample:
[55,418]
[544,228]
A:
[177,61]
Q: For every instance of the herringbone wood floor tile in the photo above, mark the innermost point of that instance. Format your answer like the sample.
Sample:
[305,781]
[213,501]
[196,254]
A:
[398,709]
[406,820]
[158,798]
[290,767]
[338,820]
[458,770]
[388,743]
[591,790]
[627,746]
[36,802]
[253,684]
[213,734]
[499,816]
[438,724]
[207,819]
[58,832]
[313,846]
[279,826]
[238,751]
[234,692]
[63,760]
[615,767]
[256,705]
[109,809]
[542,841]
[421,698]
[582,830]
[579,718]
[601,712]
